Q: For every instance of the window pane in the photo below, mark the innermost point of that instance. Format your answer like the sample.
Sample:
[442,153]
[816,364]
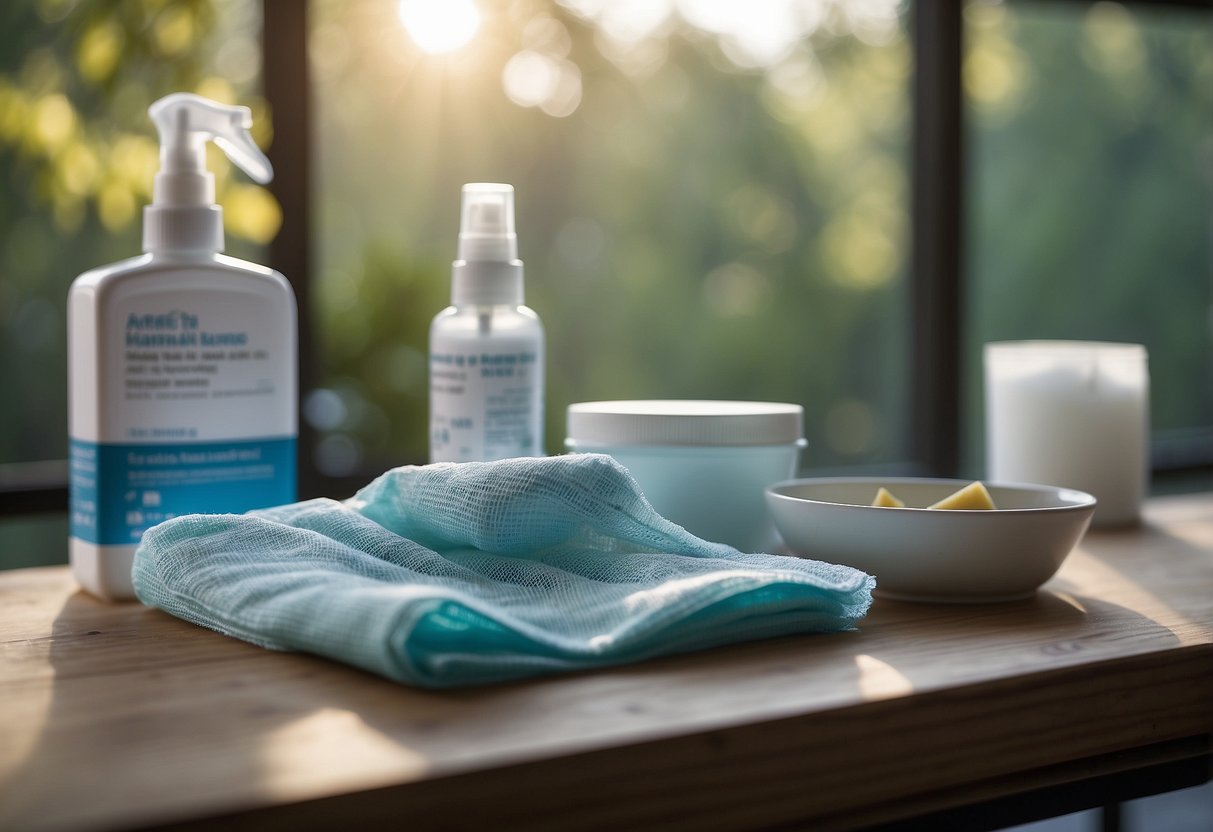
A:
[77,156]
[711,204]
[1090,194]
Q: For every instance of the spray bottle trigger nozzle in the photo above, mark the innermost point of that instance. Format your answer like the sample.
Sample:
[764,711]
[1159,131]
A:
[186,120]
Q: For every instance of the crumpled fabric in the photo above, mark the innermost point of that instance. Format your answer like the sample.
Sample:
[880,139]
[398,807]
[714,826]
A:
[469,573]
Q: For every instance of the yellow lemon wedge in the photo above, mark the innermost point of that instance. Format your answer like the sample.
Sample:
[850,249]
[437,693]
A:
[973,497]
[885,498]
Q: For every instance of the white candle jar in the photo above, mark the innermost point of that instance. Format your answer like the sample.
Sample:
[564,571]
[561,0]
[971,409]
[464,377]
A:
[1072,414]
[702,464]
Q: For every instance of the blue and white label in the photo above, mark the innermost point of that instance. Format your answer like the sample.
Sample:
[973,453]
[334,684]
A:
[486,401]
[146,484]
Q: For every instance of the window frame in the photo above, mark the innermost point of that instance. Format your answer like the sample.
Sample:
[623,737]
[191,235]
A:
[936,275]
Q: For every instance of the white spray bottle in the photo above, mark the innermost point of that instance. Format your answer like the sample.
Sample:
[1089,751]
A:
[182,363]
[486,348]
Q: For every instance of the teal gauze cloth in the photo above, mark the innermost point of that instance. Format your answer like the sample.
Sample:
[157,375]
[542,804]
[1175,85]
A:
[458,574]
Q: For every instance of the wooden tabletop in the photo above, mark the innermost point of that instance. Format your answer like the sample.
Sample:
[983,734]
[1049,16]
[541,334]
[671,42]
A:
[117,716]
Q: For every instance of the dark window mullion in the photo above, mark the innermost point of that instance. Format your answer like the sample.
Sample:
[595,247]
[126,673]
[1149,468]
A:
[286,83]
[31,487]
[936,297]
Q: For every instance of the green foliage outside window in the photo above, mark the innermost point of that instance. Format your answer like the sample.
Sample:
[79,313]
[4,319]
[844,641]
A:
[77,157]
[1091,194]
[702,216]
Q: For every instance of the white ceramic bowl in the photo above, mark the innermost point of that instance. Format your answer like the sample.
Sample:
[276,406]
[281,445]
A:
[925,554]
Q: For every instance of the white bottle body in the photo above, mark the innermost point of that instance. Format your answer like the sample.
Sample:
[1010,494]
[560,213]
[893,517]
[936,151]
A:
[486,383]
[182,398]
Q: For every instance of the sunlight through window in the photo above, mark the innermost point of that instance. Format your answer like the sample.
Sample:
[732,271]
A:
[439,26]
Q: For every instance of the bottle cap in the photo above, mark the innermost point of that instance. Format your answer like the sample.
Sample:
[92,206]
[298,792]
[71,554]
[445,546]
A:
[486,223]
[183,215]
[685,422]
[488,271]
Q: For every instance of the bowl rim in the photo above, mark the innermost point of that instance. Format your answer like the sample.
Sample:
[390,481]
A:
[1083,501]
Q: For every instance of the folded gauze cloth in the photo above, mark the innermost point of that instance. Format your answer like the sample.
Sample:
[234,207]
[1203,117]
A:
[457,574]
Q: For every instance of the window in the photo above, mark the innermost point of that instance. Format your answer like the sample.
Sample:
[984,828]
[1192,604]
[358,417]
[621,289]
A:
[713,202]
[77,154]
[1091,195]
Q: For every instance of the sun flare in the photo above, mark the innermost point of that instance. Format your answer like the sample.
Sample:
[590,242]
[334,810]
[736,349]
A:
[439,26]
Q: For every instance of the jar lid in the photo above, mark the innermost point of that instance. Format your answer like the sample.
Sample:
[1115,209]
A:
[685,422]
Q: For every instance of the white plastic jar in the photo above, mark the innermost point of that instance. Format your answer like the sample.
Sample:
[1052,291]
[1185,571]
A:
[702,464]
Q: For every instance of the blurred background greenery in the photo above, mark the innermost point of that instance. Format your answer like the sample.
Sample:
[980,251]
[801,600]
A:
[712,198]
[711,204]
[1090,194]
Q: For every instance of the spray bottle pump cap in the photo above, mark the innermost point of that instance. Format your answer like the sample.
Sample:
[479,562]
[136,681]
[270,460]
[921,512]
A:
[183,216]
[486,223]
[488,271]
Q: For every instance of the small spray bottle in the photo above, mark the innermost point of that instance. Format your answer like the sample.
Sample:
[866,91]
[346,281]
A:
[486,348]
